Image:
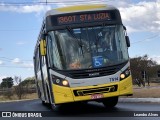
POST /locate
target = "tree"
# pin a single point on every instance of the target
(7, 82)
(28, 81)
(139, 65)
(19, 90)
(29, 85)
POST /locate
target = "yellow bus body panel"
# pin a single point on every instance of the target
(62, 94)
(125, 86)
(66, 95)
(80, 7)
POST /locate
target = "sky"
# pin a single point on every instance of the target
(20, 23)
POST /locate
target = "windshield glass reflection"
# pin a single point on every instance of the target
(91, 47)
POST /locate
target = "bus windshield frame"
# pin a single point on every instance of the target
(88, 47)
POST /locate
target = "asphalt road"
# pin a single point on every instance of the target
(91, 110)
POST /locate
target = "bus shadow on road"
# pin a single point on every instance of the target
(86, 110)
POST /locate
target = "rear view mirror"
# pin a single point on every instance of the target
(127, 41)
(43, 45)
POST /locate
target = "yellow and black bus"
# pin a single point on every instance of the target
(82, 55)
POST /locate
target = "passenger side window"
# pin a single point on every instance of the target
(49, 51)
(53, 53)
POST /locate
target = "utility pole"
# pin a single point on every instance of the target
(144, 77)
(158, 73)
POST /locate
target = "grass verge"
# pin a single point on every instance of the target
(14, 97)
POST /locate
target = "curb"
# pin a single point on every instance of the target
(153, 100)
(17, 100)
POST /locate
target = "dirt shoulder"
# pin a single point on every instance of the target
(146, 92)
(14, 97)
(152, 91)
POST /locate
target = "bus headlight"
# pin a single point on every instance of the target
(125, 74)
(59, 81)
(65, 83)
(122, 76)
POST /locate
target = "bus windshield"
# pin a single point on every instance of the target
(89, 47)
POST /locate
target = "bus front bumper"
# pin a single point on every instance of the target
(66, 94)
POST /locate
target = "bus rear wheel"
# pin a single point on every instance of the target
(110, 102)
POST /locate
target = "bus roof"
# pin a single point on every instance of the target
(79, 8)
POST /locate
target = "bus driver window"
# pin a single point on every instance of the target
(108, 41)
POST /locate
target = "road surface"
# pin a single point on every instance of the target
(90, 110)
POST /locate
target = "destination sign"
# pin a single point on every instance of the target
(83, 18)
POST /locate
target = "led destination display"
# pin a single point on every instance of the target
(82, 18)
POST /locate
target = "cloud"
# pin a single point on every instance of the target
(1, 62)
(131, 29)
(0, 49)
(28, 65)
(24, 9)
(156, 58)
(17, 61)
(143, 16)
(22, 63)
(20, 43)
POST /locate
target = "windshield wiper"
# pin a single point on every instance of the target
(75, 38)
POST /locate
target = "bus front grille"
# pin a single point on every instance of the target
(99, 90)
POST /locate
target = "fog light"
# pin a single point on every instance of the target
(127, 72)
(57, 81)
(122, 76)
(65, 82)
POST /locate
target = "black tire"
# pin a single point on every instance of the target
(63, 107)
(110, 102)
(55, 107)
(43, 102)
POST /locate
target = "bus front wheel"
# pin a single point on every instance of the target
(43, 102)
(110, 102)
(55, 107)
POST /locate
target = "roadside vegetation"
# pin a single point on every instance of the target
(16, 89)
(144, 71)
